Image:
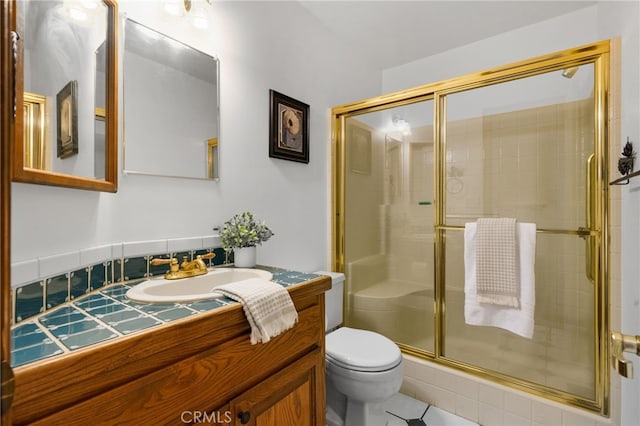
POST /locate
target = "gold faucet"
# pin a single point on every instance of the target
(185, 269)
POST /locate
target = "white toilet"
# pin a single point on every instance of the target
(363, 368)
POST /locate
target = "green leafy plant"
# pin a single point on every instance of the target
(243, 230)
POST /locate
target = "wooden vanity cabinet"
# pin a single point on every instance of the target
(289, 397)
(201, 370)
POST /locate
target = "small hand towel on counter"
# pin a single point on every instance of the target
(497, 262)
(267, 305)
(518, 320)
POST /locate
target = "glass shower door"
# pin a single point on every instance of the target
(524, 149)
(389, 222)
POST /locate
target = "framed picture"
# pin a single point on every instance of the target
(288, 128)
(67, 118)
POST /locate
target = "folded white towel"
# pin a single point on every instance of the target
(517, 320)
(497, 275)
(266, 304)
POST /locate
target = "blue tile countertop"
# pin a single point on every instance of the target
(108, 314)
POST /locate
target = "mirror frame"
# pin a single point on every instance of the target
(20, 173)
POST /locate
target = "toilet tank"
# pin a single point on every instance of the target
(333, 300)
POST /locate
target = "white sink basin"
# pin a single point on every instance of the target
(160, 290)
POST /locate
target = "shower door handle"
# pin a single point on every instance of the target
(621, 343)
(590, 219)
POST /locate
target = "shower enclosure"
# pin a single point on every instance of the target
(527, 141)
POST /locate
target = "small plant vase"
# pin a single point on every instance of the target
(244, 257)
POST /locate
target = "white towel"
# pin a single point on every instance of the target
(267, 305)
(497, 274)
(517, 320)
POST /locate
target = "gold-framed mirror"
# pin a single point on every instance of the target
(66, 60)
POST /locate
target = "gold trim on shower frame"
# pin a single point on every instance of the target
(596, 235)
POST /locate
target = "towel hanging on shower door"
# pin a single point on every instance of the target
(497, 274)
(518, 320)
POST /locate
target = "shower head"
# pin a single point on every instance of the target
(569, 72)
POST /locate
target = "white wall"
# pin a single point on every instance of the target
(261, 46)
(604, 20)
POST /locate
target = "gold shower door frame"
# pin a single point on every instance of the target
(596, 231)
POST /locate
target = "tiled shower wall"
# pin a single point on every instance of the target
(42, 284)
(492, 404)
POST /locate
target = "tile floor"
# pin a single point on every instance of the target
(403, 410)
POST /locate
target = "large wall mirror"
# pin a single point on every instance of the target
(66, 109)
(171, 106)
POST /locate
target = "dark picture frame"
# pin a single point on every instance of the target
(67, 120)
(288, 128)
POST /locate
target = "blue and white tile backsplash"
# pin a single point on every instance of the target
(39, 285)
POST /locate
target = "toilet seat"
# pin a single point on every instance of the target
(361, 350)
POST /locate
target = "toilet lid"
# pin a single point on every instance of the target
(361, 350)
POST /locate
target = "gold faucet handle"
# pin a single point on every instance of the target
(207, 256)
(158, 261)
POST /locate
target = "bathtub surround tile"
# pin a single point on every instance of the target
(488, 415)
(467, 408)
(495, 404)
(490, 395)
(512, 419)
(518, 405)
(573, 419)
(466, 387)
(29, 300)
(443, 399)
(546, 414)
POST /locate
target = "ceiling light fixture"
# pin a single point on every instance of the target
(402, 125)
